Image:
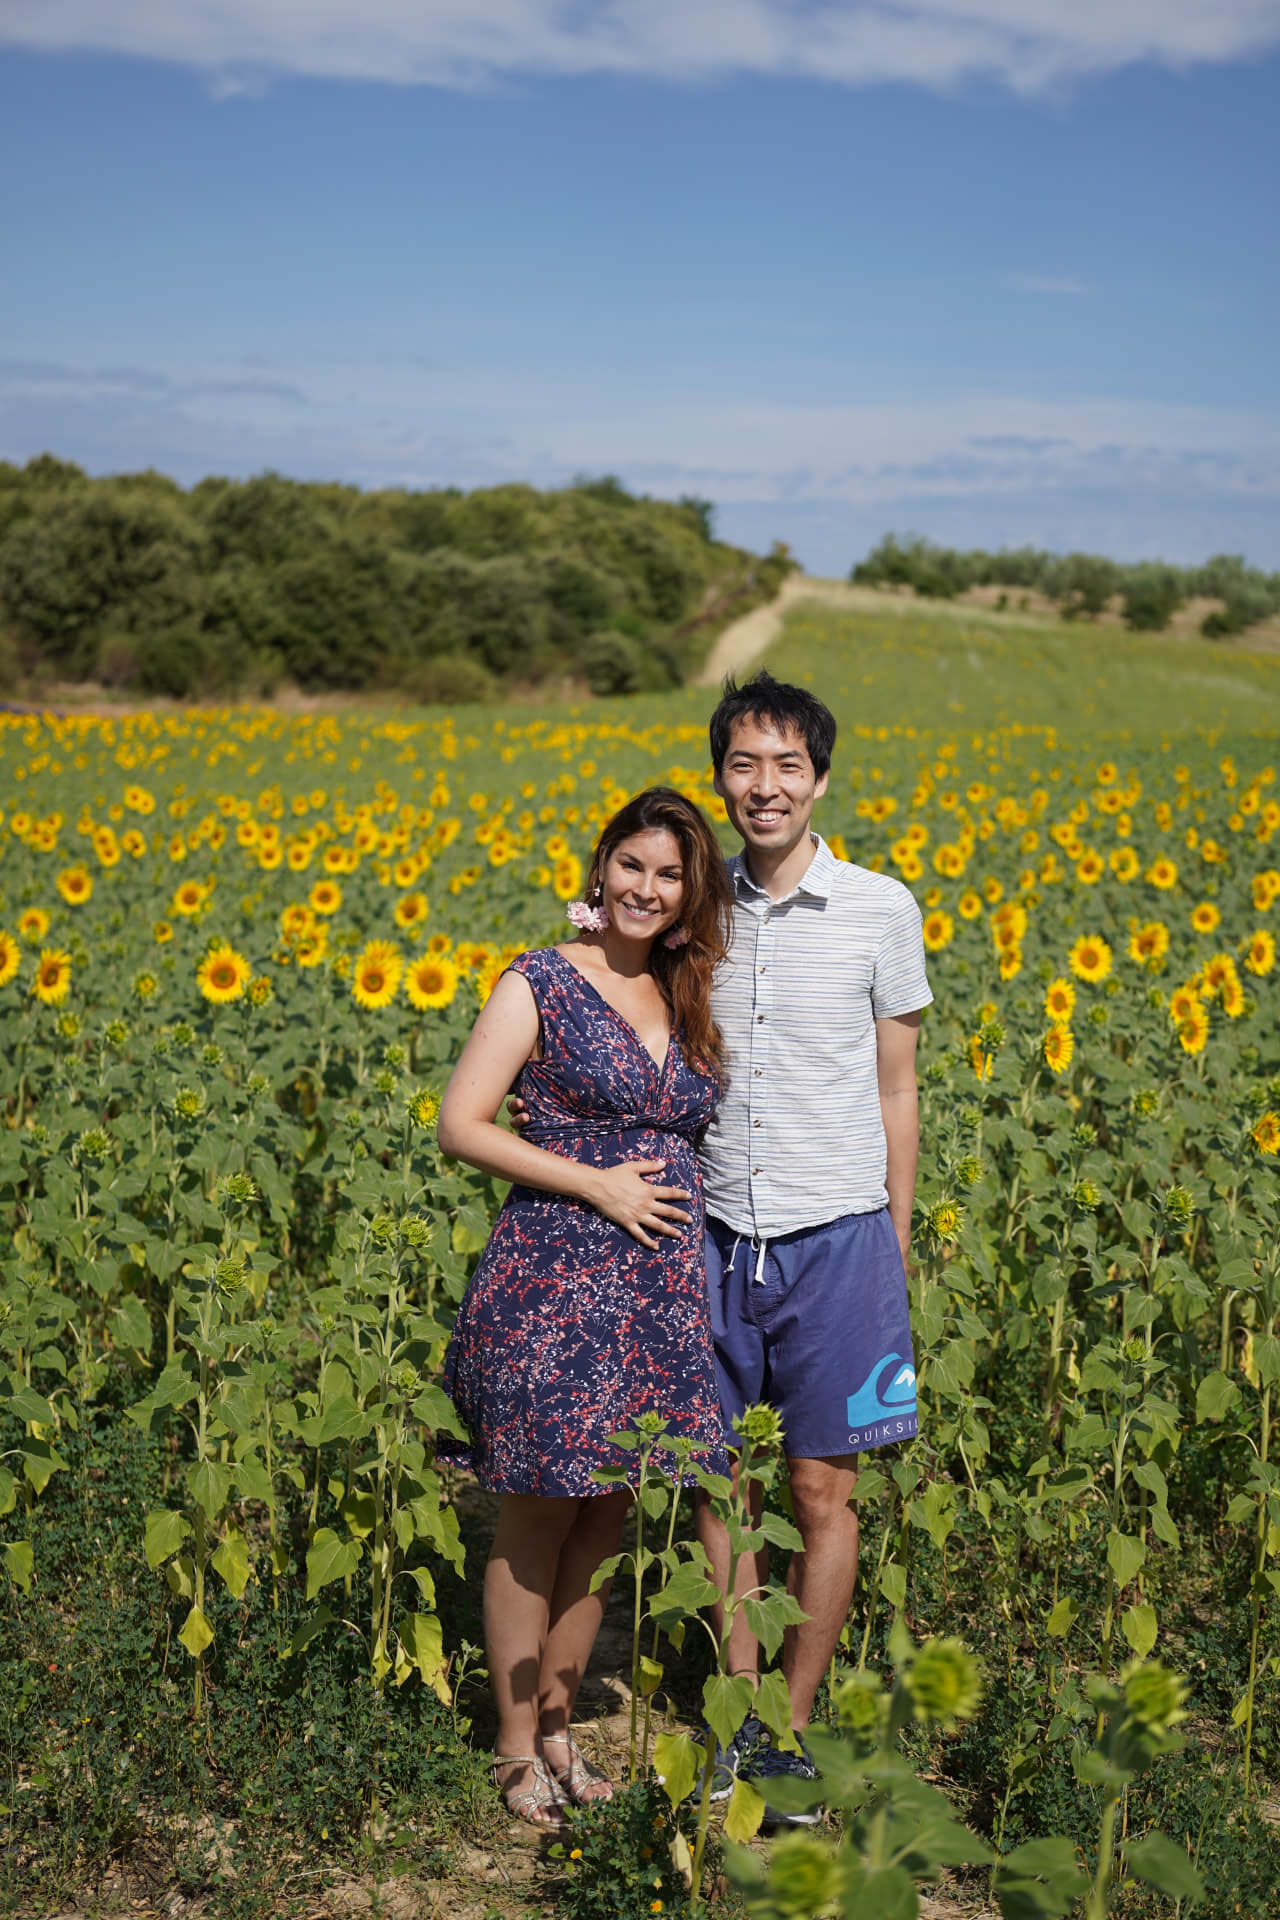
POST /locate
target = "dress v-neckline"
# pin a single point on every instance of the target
(659, 1066)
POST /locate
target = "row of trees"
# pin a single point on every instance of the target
(235, 585)
(1082, 585)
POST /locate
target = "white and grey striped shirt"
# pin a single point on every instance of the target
(798, 1139)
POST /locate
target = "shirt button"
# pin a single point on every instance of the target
(757, 1071)
(757, 1169)
(756, 1123)
(759, 1018)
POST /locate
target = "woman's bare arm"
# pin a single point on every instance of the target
(501, 1042)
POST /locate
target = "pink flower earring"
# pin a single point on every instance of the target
(582, 914)
(678, 937)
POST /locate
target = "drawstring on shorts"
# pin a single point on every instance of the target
(759, 1246)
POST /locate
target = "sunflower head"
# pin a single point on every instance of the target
(432, 982)
(223, 975)
(375, 975)
(1058, 1046)
(53, 976)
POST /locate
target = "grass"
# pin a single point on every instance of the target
(938, 671)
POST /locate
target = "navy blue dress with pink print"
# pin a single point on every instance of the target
(570, 1328)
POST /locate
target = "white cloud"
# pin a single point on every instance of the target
(423, 426)
(1026, 44)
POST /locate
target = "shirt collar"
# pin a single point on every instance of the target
(816, 880)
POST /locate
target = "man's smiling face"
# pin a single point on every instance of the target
(768, 786)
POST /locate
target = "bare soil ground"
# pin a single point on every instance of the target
(496, 1869)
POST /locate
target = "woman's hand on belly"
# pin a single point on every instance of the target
(623, 1195)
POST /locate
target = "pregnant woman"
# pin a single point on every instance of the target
(589, 1304)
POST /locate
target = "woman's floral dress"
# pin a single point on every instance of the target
(570, 1329)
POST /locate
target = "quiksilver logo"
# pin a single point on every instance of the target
(889, 1389)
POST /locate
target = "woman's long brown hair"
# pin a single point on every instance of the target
(683, 973)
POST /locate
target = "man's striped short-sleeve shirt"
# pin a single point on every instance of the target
(797, 1139)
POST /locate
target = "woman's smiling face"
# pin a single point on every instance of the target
(643, 884)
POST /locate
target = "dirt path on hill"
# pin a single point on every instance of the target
(742, 644)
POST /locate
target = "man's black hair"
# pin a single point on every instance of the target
(786, 708)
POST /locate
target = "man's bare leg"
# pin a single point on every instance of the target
(822, 1576)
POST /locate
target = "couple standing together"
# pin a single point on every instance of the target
(711, 1205)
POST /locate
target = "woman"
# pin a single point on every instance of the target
(589, 1304)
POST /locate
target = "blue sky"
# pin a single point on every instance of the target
(842, 269)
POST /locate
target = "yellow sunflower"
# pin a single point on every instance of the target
(312, 949)
(1149, 942)
(488, 977)
(223, 974)
(431, 982)
(296, 920)
(1058, 1046)
(33, 925)
(75, 884)
(10, 955)
(325, 896)
(1260, 958)
(1059, 1000)
(53, 976)
(1205, 917)
(1163, 874)
(1217, 973)
(1266, 1132)
(1010, 962)
(1194, 1030)
(375, 974)
(1090, 958)
(188, 898)
(411, 910)
(969, 905)
(1182, 1003)
(939, 930)
(1124, 863)
(161, 932)
(981, 1061)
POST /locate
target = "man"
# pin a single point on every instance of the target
(809, 1169)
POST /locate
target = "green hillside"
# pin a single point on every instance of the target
(234, 586)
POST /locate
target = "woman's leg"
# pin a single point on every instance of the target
(575, 1615)
(520, 1581)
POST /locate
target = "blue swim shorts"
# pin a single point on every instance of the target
(816, 1324)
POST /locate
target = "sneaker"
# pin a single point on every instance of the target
(730, 1759)
(771, 1763)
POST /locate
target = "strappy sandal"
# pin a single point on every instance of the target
(579, 1777)
(538, 1805)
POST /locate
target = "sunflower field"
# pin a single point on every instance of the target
(239, 951)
